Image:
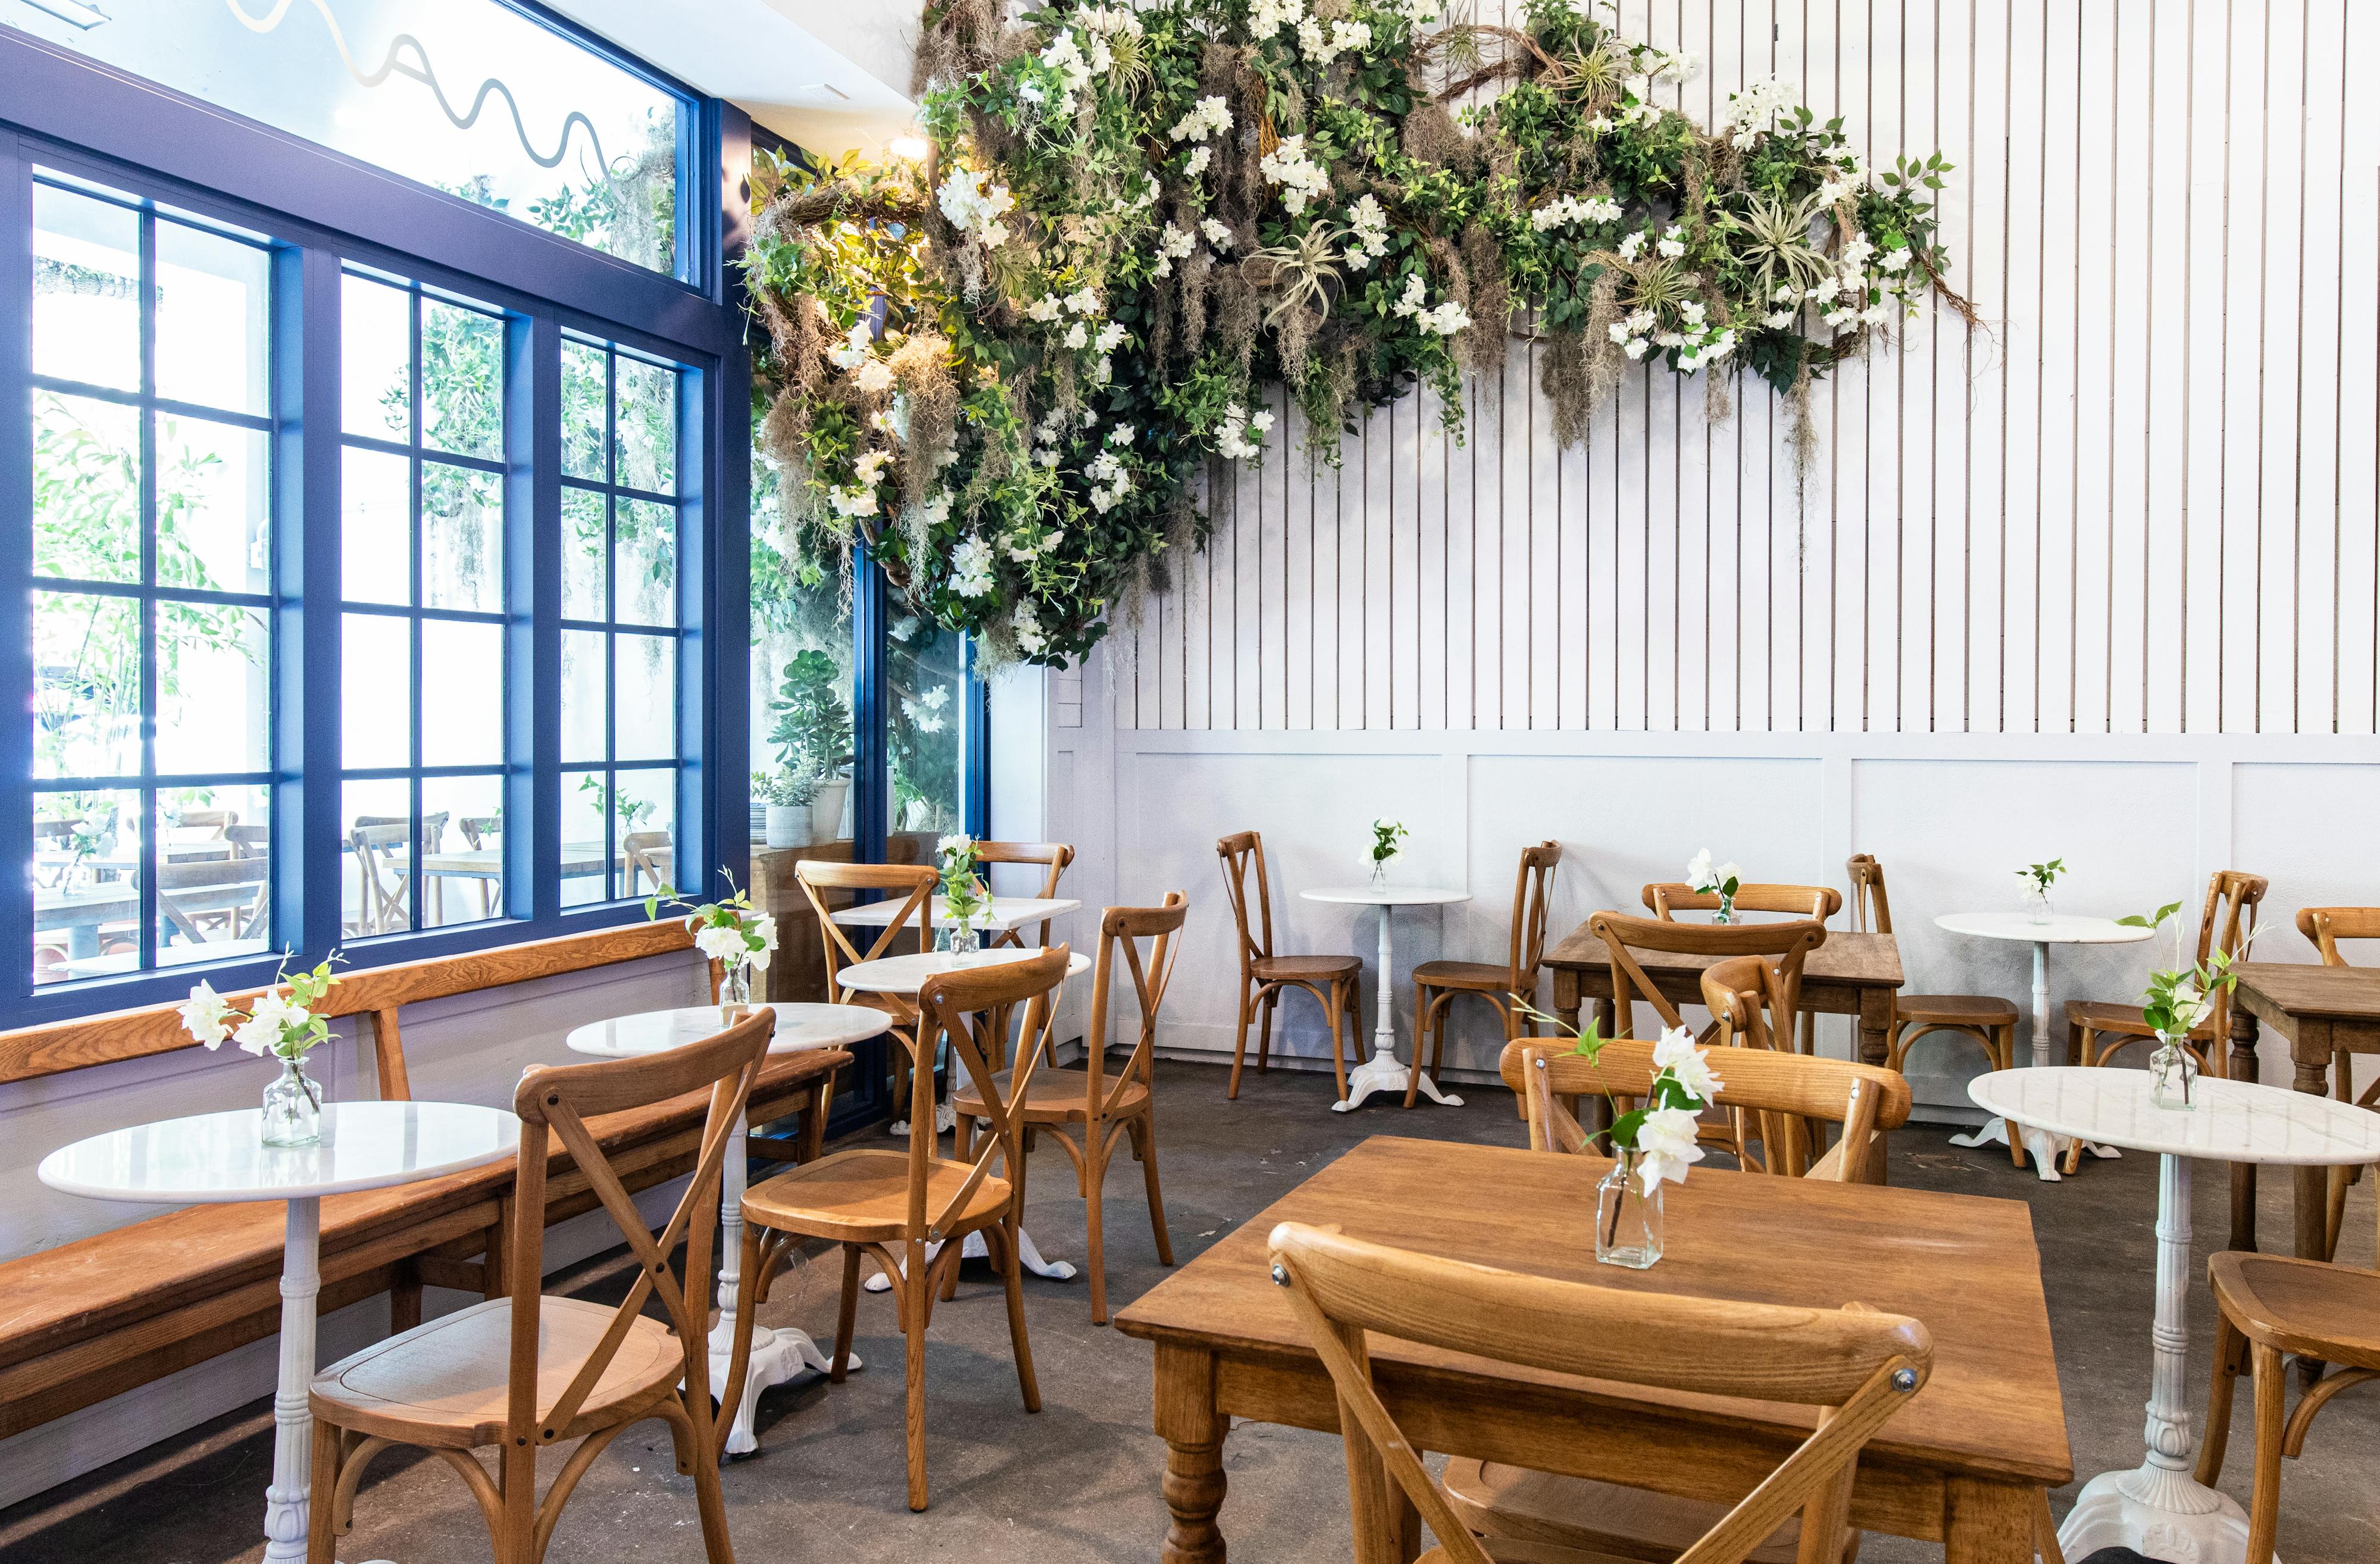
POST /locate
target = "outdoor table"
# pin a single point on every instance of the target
(778, 1353)
(82, 913)
(2323, 1010)
(2159, 1508)
(1382, 1072)
(2040, 933)
(217, 1158)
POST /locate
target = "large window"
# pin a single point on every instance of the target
(422, 624)
(152, 605)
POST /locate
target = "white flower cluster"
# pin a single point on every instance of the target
(860, 498)
(925, 713)
(1760, 108)
(1232, 439)
(1697, 340)
(1672, 245)
(1444, 320)
(854, 346)
(1300, 177)
(270, 1018)
(1666, 1138)
(1110, 477)
(1025, 548)
(1218, 232)
(1847, 179)
(1029, 638)
(1367, 232)
(1268, 16)
(1173, 244)
(973, 208)
(731, 942)
(875, 377)
(1569, 208)
(971, 568)
(1211, 118)
(1854, 296)
(1323, 47)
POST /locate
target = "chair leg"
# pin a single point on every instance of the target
(912, 1289)
(321, 1531)
(2335, 1211)
(709, 1504)
(2230, 1357)
(2044, 1530)
(2084, 1039)
(847, 1316)
(1239, 1047)
(1351, 1011)
(1013, 1261)
(1422, 1018)
(1095, 1170)
(1264, 1032)
(405, 1297)
(2264, 1502)
(1143, 1134)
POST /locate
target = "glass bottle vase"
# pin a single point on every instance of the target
(2173, 1075)
(1627, 1220)
(292, 1107)
(735, 983)
(2037, 904)
(1380, 875)
(959, 939)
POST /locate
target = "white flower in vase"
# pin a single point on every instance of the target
(1688, 1065)
(204, 1015)
(1664, 1147)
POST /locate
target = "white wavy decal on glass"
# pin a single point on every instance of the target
(423, 73)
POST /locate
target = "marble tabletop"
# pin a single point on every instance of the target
(2056, 930)
(2232, 1121)
(216, 1157)
(799, 1029)
(906, 974)
(1005, 912)
(1386, 895)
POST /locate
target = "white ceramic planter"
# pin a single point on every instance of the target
(787, 825)
(826, 810)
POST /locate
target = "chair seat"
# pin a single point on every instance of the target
(2127, 1019)
(1276, 969)
(444, 1382)
(1966, 1010)
(1580, 1519)
(2327, 1312)
(1471, 976)
(1056, 1097)
(863, 1197)
(1509, 1550)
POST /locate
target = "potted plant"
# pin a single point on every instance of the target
(787, 813)
(1388, 841)
(812, 735)
(283, 1024)
(2038, 879)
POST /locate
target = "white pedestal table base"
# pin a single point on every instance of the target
(780, 1353)
(1382, 1072)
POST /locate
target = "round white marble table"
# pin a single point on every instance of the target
(905, 975)
(2040, 933)
(1382, 1072)
(216, 1159)
(778, 1354)
(2159, 1508)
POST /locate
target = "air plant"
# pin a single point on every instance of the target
(1304, 272)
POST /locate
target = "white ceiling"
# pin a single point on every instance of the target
(835, 81)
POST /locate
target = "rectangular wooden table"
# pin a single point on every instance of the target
(2324, 1012)
(1959, 1465)
(1854, 974)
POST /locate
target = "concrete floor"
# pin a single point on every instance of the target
(1080, 1480)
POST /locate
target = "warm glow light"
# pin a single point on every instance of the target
(911, 147)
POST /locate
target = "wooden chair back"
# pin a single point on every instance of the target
(1860, 1366)
(555, 1102)
(1785, 945)
(815, 876)
(1871, 909)
(1239, 852)
(1052, 855)
(2326, 926)
(648, 854)
(2235, 896)
(966, 1007)
(382, 880)
(1819, 901)
(478, 831)
(249, 842)
(1784, 1087)
(252, 921)
(1532, 890)
(1123, 928)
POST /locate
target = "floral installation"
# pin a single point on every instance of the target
(281, 1021)
(1724, 881)
(1004, 370)
(731, 930)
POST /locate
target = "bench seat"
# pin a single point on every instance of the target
(91, 1318)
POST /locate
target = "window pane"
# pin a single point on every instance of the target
(86, 488)
(462, 539)
(462, 693)
(86, 289)
(214, 873)
(648, 561)
(463, 861)
(648, 419)
(648, 830)
(584, 875)
(376, 694)
(924, 731)
(462, 381)
(376, 532)
(793, 621)
(213, 308)
(586, 554)
(86, 685)
(86, 884)
(376, 351)
(582, 697)
(377, 831)
(214, 499)
(585, 412)
(215, 689)
(578, 146)
(645, 685)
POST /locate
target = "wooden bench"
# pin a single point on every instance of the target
(104, 1314)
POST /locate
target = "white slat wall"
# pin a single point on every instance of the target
(2143, 502)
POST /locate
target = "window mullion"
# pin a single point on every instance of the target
(533, 599)
(16, 558)
(308, 850)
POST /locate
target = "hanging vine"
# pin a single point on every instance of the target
(1001, 370)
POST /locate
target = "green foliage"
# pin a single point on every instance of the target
(813, 728)
(2043, 875)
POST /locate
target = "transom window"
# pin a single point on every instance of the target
(152, 604)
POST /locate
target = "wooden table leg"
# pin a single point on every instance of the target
(1987, 1523)
(2310, 1052)
(2240, 1064)
(1875, 1048)
(1193, 1430)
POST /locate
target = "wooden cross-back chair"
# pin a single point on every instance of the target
(1858, 1367)
(1106, 1105)
(528, 1371)
(2324, 928)
(819, 878)
(1052, 855)
(211, 881)
(911, 1210)
(1436, 983)
(382, 845)
(1334, 981)
(1819, 901)
(1742, 995)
